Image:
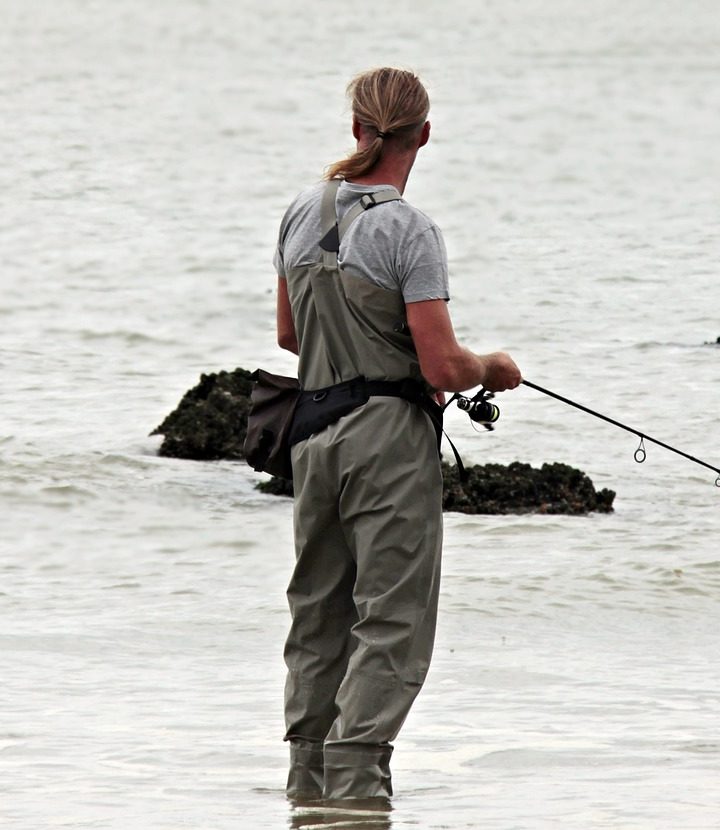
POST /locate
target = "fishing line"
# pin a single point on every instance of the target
(640, 453)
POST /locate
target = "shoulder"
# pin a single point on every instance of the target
(308, 196)
(406, 223)
(415, 218)
(400, 213)
(302, 206)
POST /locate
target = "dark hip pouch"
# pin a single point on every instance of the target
(281, 414)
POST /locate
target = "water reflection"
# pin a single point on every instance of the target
(349, 814)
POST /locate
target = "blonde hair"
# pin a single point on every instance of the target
(394, 103)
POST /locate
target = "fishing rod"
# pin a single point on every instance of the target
(481, 410)
(640, 453)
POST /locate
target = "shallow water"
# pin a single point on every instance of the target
(150, 151)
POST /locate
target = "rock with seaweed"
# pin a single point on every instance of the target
(210, 423)
(520, 488)
(513, 488)
(276, 486)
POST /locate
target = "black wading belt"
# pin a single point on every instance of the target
(319, 408)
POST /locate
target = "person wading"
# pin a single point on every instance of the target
(362, 299)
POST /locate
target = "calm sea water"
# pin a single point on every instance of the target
(149, 151)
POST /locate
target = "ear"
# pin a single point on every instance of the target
(425, 134)
(356, 128)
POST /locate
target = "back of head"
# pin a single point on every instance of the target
(390, 104)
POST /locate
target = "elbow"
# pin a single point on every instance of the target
(440, 375)
(454, 372)
(433, 381)
(288, 341)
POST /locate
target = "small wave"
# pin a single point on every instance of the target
(122, 586)
(649, 345)
(543, 758)
(132, 462)
(65, 495)
(698, 747)
(709, 566)
(127, 337)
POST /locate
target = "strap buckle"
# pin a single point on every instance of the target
(368, 201)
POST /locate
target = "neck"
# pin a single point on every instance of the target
(391, 169)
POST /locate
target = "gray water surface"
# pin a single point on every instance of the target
(149, 152)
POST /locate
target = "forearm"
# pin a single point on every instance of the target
(448, 366)
(464, 369)
(458, 371)
(288, 342)
(286, 335)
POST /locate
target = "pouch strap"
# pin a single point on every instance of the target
(414, 391)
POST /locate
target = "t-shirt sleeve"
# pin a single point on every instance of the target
(278, 262)
(290, 244)
(279, 255)
(423, 268)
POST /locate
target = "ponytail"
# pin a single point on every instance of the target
(394, 103)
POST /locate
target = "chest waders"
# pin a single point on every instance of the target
(368, 530)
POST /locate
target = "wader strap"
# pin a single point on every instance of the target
(334, 231)
(328, 215)
(369, 200)
(328, 220)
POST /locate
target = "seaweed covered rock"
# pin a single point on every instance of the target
(276, 487)
(210, 421)
(515, 488)
(520, 488)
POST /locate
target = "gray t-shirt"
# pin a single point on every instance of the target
(393, 244)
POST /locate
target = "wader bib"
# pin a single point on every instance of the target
(368, 532)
